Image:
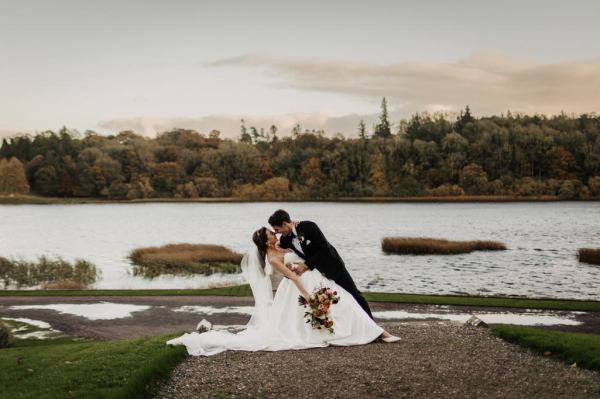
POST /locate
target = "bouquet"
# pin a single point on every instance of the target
(317, 313)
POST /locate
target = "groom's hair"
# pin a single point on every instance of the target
(279, 217)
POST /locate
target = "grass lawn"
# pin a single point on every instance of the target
(238, 290)
(583, 349)
(501, 302)
(90, 369)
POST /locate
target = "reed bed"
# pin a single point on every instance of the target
(49, 273)
(427, 246)
(589, 255)
(204, 259)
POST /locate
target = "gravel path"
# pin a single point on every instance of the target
(433, 360)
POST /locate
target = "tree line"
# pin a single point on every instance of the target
(424, 155)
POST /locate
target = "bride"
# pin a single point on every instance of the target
(278, 322)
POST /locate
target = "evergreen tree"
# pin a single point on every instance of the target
(362, 130)
(383, 128)
(244, 135)
(463, 118)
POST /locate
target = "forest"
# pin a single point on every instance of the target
(424, 155)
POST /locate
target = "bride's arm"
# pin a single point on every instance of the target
(278, 264)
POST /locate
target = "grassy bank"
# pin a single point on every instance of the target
(239, 290)
(107, 369)
(34, 199)
(424, 246)
(486, 301)
(244, 290)
(583, 349)
(184, 259)
(589, 255)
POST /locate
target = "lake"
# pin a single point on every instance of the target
(541, 261)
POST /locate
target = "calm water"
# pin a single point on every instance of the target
(541, 260)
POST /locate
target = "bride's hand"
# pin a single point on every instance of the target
(306, 297)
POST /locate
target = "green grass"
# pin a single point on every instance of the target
(501, 302)
(583, 349)
(239, 290)
(99, 369)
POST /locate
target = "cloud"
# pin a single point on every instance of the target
(7, 133)
(490, 83)
(229, 125)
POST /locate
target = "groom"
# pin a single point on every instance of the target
(307, 240)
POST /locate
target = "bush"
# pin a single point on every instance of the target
(6, 336)
(276, 188)
(446, 190)
(594, 185)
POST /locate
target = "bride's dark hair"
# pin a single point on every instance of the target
(260, 238)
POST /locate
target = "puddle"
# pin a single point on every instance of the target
(36, 329)
(43, 334)
(36, 323)
(95, 311)
(523, 319)
(210, 310)
(528, 318)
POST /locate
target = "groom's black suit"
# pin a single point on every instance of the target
(320, 254)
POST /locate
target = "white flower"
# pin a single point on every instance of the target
(204, 326)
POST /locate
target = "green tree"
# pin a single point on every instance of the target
(245, 137)
(362, 130)
(474, 180)
(383, 128)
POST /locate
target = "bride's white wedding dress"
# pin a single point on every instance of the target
(278, 323)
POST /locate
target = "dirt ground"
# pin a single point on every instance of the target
(434, 359)
(160, 319)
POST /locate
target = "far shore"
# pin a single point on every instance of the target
(39, 200)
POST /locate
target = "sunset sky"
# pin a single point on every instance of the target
(153, 65)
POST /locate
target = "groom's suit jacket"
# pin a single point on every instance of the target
(321, 255)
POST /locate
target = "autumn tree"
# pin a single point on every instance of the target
(12, 177)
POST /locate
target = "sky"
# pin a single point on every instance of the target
(150, 65)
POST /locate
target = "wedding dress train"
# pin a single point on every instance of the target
(278, 323)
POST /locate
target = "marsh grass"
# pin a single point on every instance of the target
(184, 259)
(47, 272)
(589, 255)
(424, 246)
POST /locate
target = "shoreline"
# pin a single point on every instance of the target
(39, 200)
